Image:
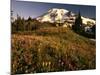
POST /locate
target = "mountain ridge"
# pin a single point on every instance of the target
(60, 15)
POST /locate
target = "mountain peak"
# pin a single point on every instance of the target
(60, 15)
(58, 10)
(55, 15)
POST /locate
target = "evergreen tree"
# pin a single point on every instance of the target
(78, 23)
(19, 23)
(23, 24)
(29, 18)
(94, 29)
(29, 23)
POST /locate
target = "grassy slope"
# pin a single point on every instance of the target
(51, 49)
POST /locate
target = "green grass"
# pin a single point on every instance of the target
(51, 49)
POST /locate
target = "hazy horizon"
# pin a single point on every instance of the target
(35, 9)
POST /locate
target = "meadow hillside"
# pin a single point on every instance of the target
(51, 49)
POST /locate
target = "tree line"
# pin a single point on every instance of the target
(78, 27)
(20, 24)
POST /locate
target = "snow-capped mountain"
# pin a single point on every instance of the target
(56, 15)
(62, 15)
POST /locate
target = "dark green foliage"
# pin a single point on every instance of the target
(94, 29)
(20, 24)
(85, 34)
(29, 19)
(78, 23)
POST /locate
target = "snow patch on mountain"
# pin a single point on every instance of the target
(87, 20)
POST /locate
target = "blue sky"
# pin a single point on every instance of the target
(35, 9)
